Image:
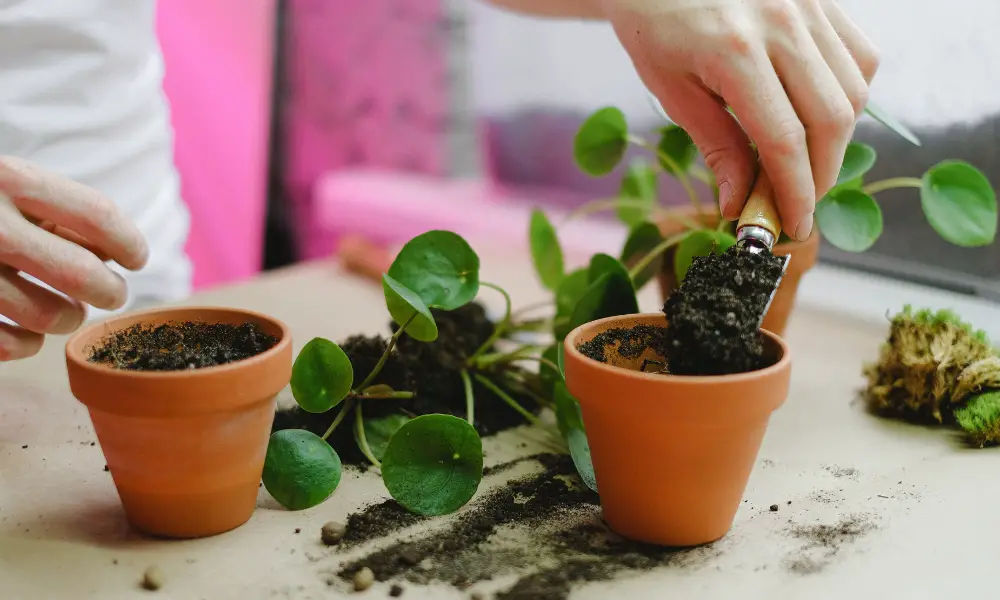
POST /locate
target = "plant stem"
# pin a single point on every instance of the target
(489, 359)
(359, 429)
(385, 355)
(595, 206)
(677, 171)
(530, 307)
(658, 250)
(538, 359)
(895, 182)
(510, 401)
(499, 328)
(340, 417)
(470, 400)
(704, 175)
(386, 396)
(525, 387)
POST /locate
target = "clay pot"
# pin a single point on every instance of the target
(803, 255)
(672, 454)
(185, 448)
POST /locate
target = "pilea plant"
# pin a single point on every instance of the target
(935, 368)
(431, 464)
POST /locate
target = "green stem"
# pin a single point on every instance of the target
(386, 396)
(510, 401)
(340, 417)
(530, 307)
(470, 400)
(499, 329)
(677, 171)
(525, 388)
(895, 182)
(489, 359)
(656, 251)
(385, 355)
(538, 359)
(704, 175)
(596, 206)
(359, 430)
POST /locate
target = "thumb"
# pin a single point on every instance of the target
(718, 136)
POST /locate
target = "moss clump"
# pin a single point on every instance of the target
(980, 418)
(929, 368)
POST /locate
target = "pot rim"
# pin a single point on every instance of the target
(570, 346)
(75, 348)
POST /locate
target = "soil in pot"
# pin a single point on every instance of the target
(430, 370)
(179, 346)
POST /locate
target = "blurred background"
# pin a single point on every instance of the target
(298, 122)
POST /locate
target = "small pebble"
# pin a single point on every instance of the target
(298, 530)
(363, 579)
(396, 590)
(332, 532)
(152, 579)
(774, 508)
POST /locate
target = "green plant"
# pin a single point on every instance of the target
(431, 464)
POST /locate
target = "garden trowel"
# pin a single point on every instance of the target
(759, 227)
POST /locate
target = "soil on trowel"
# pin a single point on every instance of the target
(712, 317)
(180, 346)
(546, 527)
(431, 370)
(628, 342)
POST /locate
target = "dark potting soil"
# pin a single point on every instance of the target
(430, 370)
(567, 543)
(180, 345)
(713, 315)
(628, 342)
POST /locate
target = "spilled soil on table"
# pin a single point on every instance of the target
(546, 527)
(823, 542)
(180, 346)
(430, 370)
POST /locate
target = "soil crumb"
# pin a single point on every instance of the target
(538, 523)
(824, 542)
(179, 346)
(713, 315)
(429, 369)
(377, 521)
(629, 342)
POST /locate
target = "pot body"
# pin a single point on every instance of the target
(803, 257)
(672, 454)
(185, 448)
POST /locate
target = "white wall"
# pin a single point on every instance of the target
(941, 60)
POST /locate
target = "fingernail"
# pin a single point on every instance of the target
(805, 228)
(725, 196)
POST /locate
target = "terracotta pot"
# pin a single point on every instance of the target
(803, 254)
(185, 448)
(672, 454)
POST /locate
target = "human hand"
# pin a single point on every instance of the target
(60, 232)
(794, 72)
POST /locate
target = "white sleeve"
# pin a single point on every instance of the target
(81, 95)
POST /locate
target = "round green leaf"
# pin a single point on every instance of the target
(600, 143)
(440, 267)
(433, 464)
(638, 185)
(570, 421)
(402, 303)
(545, 250)
(643, 238)
(849, 219)
(677, 144)
(701, 242)
(378, 432)
(322, 376)
(601, 263)
(959, 204)
(611, 294)
(569, 292)
(858, 160)
(301, 470)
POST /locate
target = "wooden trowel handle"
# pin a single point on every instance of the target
(760, 210)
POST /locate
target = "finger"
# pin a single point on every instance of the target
(59, 263)
(819, 100)
(35, 308)
(838, 58)
(72, 236)
(716, 133)
(17, 342)
(749, 84)
(76, 207)
(864, 52)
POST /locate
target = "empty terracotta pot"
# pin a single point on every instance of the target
(804, 255)
(185, 448)
(672, 454)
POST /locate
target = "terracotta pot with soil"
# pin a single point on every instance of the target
(672, 454)
(182, 401)
(804, 255)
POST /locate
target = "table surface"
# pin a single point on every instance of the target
(927, 501)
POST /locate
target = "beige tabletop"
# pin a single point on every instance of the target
(918, 508)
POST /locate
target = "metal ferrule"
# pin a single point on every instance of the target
(753, 233)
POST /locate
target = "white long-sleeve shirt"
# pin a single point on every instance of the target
(81, 95)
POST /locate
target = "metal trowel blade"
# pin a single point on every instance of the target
(784, 267)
